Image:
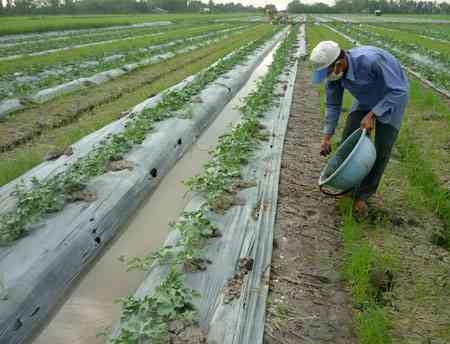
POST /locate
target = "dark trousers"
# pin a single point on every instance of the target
(385, 136)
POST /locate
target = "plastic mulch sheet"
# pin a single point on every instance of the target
(247, 235)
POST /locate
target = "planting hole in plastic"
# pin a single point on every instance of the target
(94, 231)
(18, 324)
(179, 142)
(154, 172)
(98, 240)
(35, 311)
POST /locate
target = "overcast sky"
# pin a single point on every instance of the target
(281, 4)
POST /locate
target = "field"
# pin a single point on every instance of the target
(171, 162)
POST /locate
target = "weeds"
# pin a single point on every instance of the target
(421, 176)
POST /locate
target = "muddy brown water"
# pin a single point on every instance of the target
(91, 306)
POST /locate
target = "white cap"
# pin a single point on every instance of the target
(323, 56)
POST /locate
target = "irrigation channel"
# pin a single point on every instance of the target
(91, 307)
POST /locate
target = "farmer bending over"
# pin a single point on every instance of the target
(380, 90)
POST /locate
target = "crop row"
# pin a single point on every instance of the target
(20, 83)
(20, 25)
(436, 31)
(100, 106)
(34, 64)
(437, 49)
(51, 195)
(74, 39)
(430, 64)
(149, 318)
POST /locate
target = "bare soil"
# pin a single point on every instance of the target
(308, 301)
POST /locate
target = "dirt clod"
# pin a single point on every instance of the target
(120, 165)
(233, 287)
(183, 332)
(58, 152)
(197, 264)
(85, 196)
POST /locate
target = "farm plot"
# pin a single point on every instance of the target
(360, 18)
(65, 120)
(429, 58)
(32, 73)
(19, 25)
(178, 119)
(64, 40)
(406, 233)
(432, 31)
(222, 246)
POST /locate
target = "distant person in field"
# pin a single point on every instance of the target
(379, 87)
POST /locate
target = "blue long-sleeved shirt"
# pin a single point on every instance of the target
(377, 82)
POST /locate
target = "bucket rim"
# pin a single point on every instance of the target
(345, 162)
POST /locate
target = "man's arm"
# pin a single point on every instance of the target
(333, 108)
(397, 86)
(333, 104)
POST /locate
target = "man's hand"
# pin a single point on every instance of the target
(325, 146)
(368, 122)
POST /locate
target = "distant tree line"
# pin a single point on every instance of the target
(29, 7)
(361, 6)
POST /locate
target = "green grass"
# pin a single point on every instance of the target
(372, 327)
(363, 262)
(423, 160)
(33, 24)
(317, 33)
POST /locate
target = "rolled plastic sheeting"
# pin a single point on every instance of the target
(243, 236)
(39, 268)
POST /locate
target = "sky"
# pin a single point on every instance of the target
(281, 4)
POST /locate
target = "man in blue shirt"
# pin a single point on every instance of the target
(380, 89)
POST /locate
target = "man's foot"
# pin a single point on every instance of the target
(360, 209)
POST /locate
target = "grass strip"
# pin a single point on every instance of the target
(194, 226)
(423, 153)
(101, 109)
(51, 195)
(368, 271)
